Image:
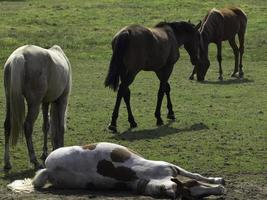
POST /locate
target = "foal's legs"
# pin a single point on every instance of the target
(235, 50)
(169, 103)
(126, 97)
(33, 110)
(191, 77)
(219, 59)
(45, 107)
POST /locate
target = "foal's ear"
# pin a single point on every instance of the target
(198, 25)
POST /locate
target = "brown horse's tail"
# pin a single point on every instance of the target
(119, 45)
(17, 107)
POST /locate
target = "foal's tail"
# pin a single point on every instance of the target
(119, 45)
(28, 185)
(17, 107)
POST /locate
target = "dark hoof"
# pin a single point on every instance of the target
(234, 75)
(191, 78)
(241, 75)
(220, 78)
(112, 128)
(171, 116)
(7, 167)
(133, 124)
(223, 182)
(38, 166)
(43, 156)
(159, 122)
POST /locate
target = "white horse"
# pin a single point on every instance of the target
(40, 76)
(111, 166)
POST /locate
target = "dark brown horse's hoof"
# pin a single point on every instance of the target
(191, 78)
(38, 166)
(220, 78)
(112, 128)
(159, 122)
(133, 124)
(171, 116)
(43, 156)
(7, 167)
(234, 75)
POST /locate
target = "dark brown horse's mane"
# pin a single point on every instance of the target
(179, 26)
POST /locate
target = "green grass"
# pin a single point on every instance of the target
(220, 127)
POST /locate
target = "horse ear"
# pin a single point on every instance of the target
(198, 25)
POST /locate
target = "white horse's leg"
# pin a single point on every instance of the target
(33, 111)
(198, 177)
(204, 190)
(45, 107)
(58, 110)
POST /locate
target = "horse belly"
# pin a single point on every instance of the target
(231, 27)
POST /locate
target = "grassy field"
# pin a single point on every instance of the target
(220, 128)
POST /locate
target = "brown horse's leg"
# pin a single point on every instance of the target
(33, 110)
(169, 103)
(219, 59)
(191, 77)
(113, 125)
(126, 97)
(241, 36)
(235, 50)
(7, 165)
(45, 107)
(159, 102)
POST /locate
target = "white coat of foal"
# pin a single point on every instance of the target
(112, 166)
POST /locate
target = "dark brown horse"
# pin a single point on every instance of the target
(137, 48)
(218, 26)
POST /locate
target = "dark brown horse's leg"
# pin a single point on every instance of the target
(113, 125)
(33, 110)
(241, 51)
(169, 103)
(159, 102)
(191, 77)
(126, 97)
(45, 128)
(235, 50)
(7, 127)
(219, 59)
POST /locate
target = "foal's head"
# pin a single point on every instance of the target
(190, 36)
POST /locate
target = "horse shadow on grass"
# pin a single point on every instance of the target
(158, 132)
(230, 81)
(11, 176)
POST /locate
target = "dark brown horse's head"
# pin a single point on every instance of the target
(190, 35)
(204, 63)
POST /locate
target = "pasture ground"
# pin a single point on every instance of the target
(220, 128)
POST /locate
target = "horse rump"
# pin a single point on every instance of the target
(119, 45)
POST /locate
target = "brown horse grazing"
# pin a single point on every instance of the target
(218, 26)
(137, 48)
(41, 77)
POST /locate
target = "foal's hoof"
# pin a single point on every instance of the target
(171, 116)
(159, 122)
(112, 128)
(7, 167)
(219, 181)
(234, 75)
(133, 124)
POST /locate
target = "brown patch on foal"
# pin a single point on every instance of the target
(121, 173)
(120, 155)
(89, 146)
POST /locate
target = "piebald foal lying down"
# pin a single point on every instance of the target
(111, 166)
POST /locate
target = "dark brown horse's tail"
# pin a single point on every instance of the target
(119, 45)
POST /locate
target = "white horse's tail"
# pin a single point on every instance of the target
(17, 107)
(27, 185)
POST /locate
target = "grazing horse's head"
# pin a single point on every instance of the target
(190, 36)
